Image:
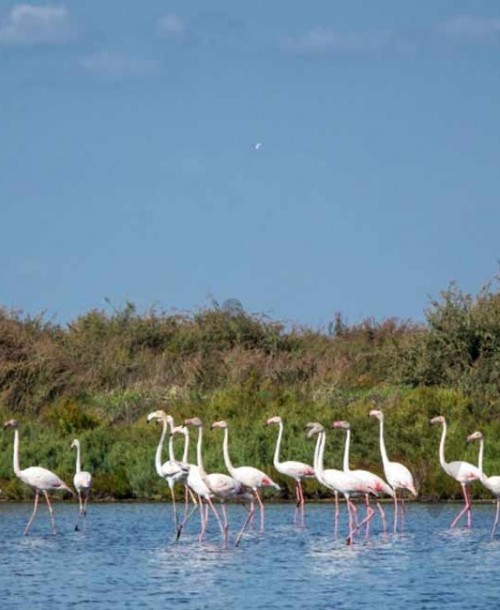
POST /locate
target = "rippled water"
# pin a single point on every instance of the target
(126, 559)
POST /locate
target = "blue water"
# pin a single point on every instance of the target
(126, 559)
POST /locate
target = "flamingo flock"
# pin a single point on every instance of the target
(244, 484)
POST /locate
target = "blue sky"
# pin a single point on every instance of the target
(129, 169)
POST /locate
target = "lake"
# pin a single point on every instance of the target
(126, 558)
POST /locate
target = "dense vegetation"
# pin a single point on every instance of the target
(99, 376)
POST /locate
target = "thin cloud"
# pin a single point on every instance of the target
(28, 24)
(117, 65)
(471, 29)
(171, 26)
(324, 41)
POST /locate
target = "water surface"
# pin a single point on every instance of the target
(126, 558)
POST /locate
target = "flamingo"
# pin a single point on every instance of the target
(397, 475)
(463, 472)
(250, 477)
(222, 486)
(83, 483)
(338, 481)
(171, 470)
(296, 470)
(40, 479)
(195, 483)
(372, 483)
(491, 483)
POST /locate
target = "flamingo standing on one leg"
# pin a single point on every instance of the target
(374, 485)
(222, 486)
(491, 483)
(40, 479)
(171, 470)
(397, 475)
(248, 476)
(83, 483)
(296, 470)
(463, 472)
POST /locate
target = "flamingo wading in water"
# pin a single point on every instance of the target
(83, 483)
(397, 475)
(222, 486)
(40, 479)
(491, 483)
(250, 477)
(298, 471)
(463, 472)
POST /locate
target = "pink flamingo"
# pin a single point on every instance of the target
(373, 484)
(296, 470)
(40, 479)
(172, 470)
(250, 477)
(397, 475)
(195, 483)
(338, 481)
(83, 484)
(491, 483)
(222, 486)
(463, 472)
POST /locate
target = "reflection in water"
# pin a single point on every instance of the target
(127, 559)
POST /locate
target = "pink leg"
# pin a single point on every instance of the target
(465, 508)
(261, 507)
(246, 522)
(496, 519)
(302, 503)
(35, 507)
(297, 502)
(225, 525)
(369, 515)
(382, 516)
(337, 513)
(51, 512)
(395, 512)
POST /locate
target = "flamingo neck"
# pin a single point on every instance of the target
(171, 455)
(225, 450)
(319, 453)
(185, 455)
(199, 458)
(15, 461)
(480, 458)
(385, 459)
(346, 450)
(442, 461)
(159, 449)
(78, 462)
(276, 459)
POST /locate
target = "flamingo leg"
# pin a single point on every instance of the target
(51, 512)
(465, 509)
(496, 519)
(174, 507)
(369, 515)
(302, 504)
(80, 512)
(246, 522)
(395, 512)
(225, 525)
(261, 508)
(297, 501)
(337, 514)
(382, 516)
(35, 507)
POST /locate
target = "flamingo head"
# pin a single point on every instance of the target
(12, 423)
(75, 443)
(377, 413)
(475, 436)
(179, 430)
(345, 425)
(314, 428)
(222, 424)
(157, 416)
(273, 420)
(438, 420)
(193, 421)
